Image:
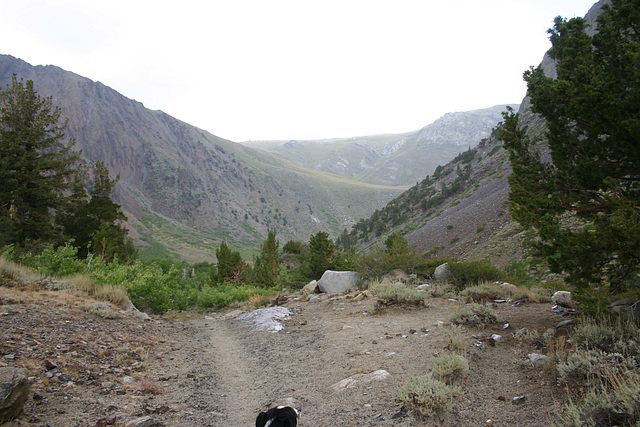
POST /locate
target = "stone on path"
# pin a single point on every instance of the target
(356, 379)
(14, 391)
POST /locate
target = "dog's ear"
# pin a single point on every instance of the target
(261, 421)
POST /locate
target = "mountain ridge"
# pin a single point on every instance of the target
(392, 159)
(185, 189)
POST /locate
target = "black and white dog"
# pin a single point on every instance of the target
(280, 416)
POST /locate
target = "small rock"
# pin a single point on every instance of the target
(13, 393)
(49, 365)
(520, 332)
(489, 423)
(64, 378)
(362, 295)
(336, 282)
(310, 288)
(536, 360)
(354, 380)
(519, 399)
(143, 422)
(564, 323)
(496, 337)
(128, 380)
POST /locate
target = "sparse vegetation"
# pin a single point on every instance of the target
(451, 369)
(427, 396)
(458, 342)
(474, 315)
(397, 293)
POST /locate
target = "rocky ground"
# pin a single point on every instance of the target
(92, 366)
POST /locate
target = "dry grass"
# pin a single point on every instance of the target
(12, 272)
(148, 386)
(69, 291)
(258, 301)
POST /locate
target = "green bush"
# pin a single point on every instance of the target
(474, 315)
(428, 396)
(464, 274)
(450, 368)
(61, 261)
(380, 261)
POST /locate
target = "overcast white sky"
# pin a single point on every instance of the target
(293, 69)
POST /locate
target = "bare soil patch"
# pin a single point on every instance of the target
(214, 370)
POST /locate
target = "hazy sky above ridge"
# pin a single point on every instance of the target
(294, 69)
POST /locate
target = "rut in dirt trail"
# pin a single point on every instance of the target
(240, 380)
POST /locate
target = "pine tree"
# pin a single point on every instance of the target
(96, 222)
(110, 236)
(230, 267)
(584, 202)
(36, 165)
(266, 266)
(320, 256)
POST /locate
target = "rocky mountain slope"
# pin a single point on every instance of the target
(184, 189)
(394, 159)
(462, 208)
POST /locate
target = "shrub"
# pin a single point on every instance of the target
(458, 341)
(380, 261)
(103, 310)
(612, 336)
(61, 261)
(602, 406)
(487, 291)
(428, 396)
(468, 273)
(474, 315)
(539, 294)
(389, 293)
(450, 368)
(594, 366)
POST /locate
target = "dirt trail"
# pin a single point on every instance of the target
(213, 370)
(240, 381)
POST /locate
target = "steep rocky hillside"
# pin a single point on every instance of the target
(184, 189)
(463, 207)
(395, 159)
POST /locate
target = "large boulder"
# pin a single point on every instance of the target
(442, 272)
(336, 282)
(563, 299)
(14, 391)
(628, 307)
